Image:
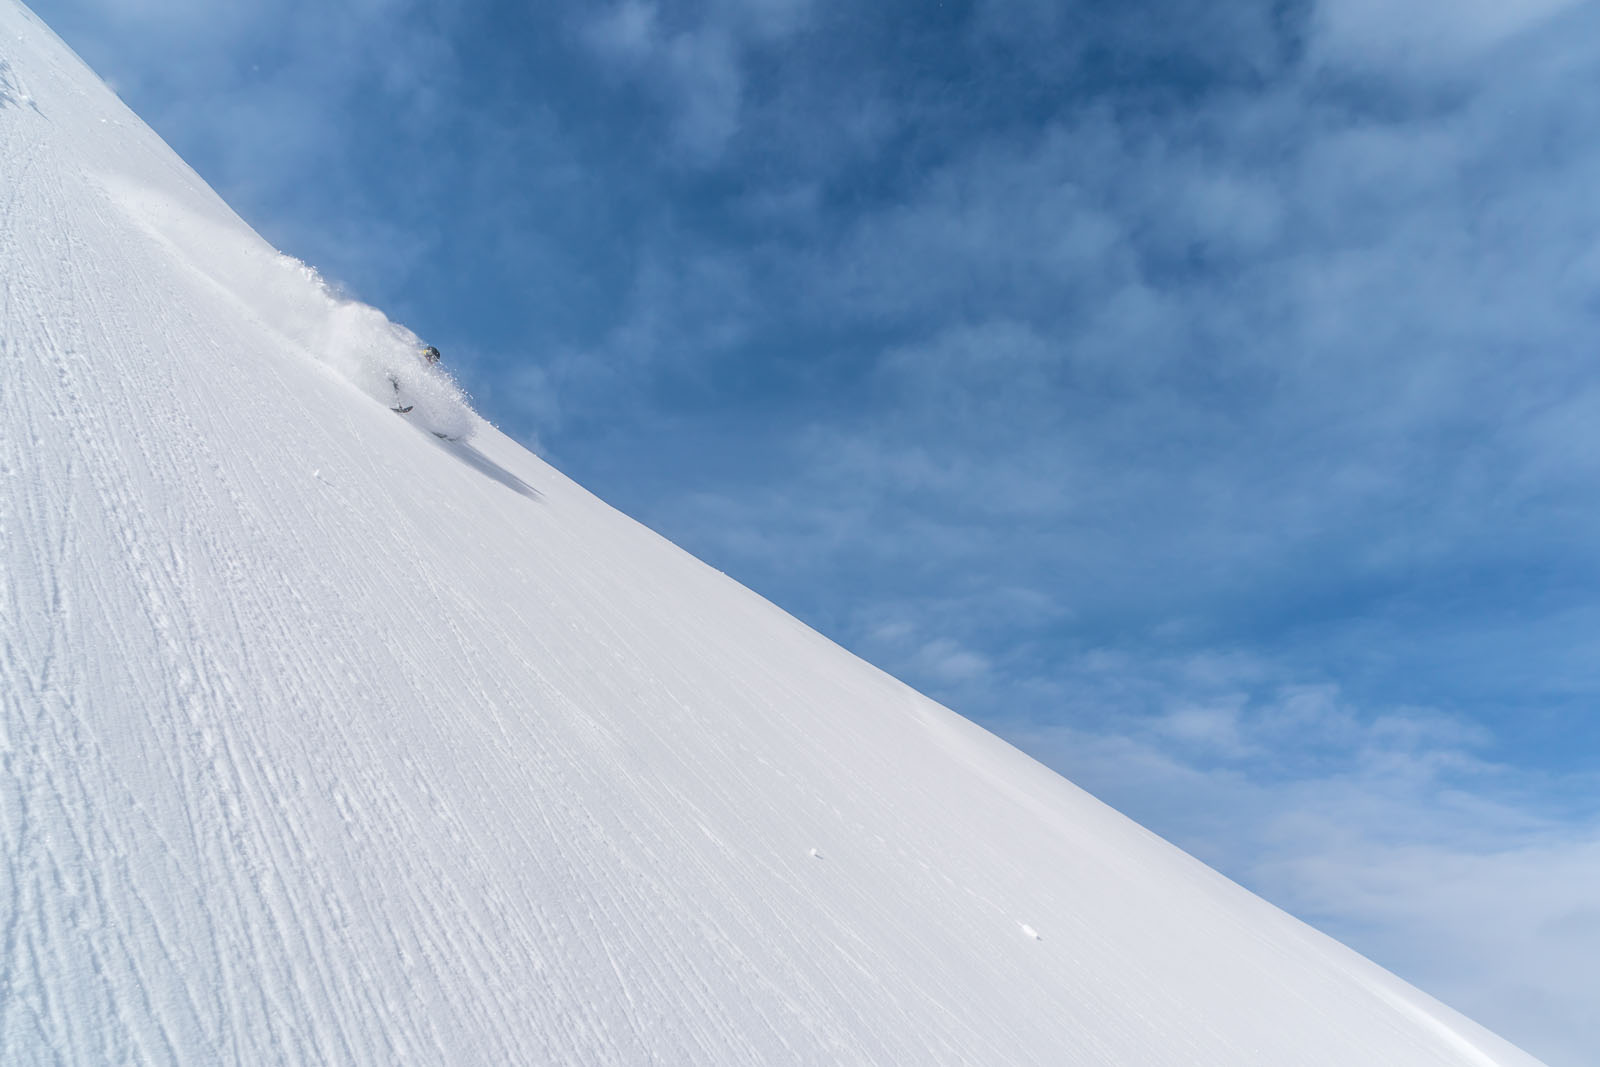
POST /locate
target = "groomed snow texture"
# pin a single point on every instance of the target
(328, 741)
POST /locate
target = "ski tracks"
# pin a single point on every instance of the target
(69, 847)
(84, 879)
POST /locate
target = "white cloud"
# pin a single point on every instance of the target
(948, 662)
(1420, 36)
(704, 67)
(628, 32)
(1213, 727)
(694, 67)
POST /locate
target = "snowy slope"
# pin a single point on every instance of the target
(328, 741)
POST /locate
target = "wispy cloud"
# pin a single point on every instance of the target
(1427, 37)
(692, 65)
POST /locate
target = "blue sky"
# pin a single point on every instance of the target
(1204, 397)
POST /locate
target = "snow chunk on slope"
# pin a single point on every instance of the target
(381, 358)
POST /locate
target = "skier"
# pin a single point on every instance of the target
(431, 355)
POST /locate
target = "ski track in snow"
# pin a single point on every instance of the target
(325, 742)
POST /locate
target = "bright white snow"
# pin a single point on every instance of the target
(328, 741)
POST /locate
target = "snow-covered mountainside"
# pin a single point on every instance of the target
(326, 740)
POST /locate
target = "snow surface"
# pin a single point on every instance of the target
(328, 741)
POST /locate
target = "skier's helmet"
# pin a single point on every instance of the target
(430, 354)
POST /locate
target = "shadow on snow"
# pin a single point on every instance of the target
(475, 459)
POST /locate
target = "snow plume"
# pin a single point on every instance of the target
(381, 358)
